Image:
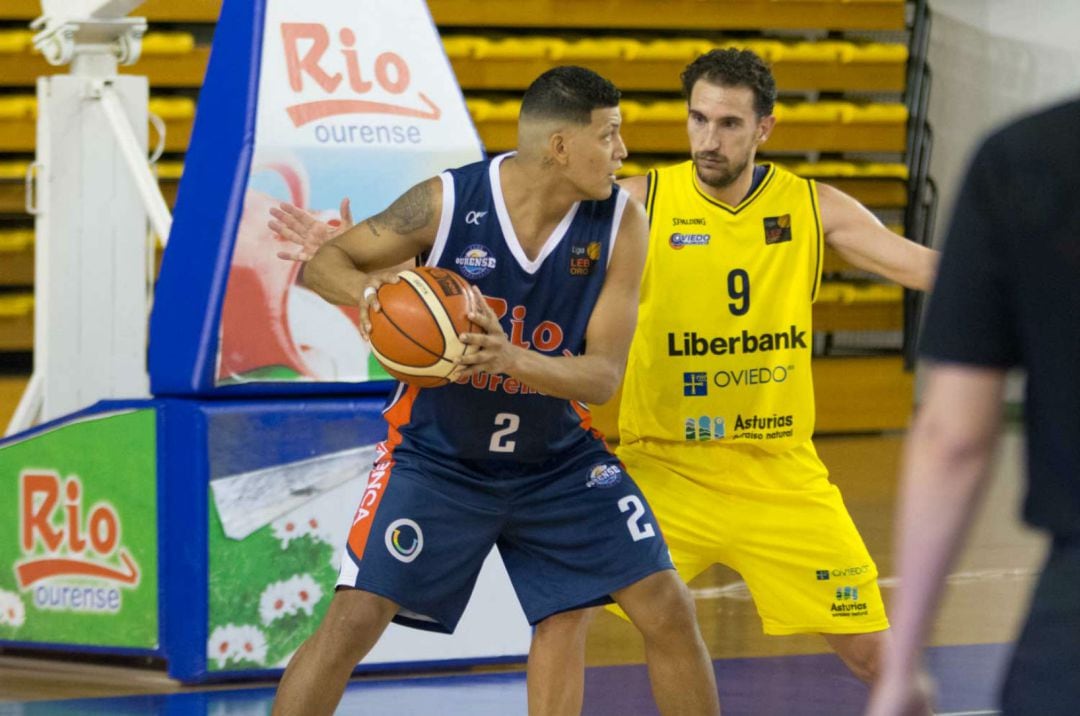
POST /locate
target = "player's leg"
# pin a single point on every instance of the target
(861, 653)
(582, 533)
(415, 548)
(802, 557)
(556, 669)
(320, 668)
(680, 670)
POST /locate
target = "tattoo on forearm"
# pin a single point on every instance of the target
(412, 211)
(373, 226)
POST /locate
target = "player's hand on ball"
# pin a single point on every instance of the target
(369, 298)
(490, 351)
(301, 228)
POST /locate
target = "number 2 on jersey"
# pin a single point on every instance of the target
(638, 530)
(509, 424)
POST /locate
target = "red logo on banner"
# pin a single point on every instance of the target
(307, 46)
(71, 541)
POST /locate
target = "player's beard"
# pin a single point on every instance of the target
(720, 177)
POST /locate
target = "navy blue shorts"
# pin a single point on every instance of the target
(570, 532)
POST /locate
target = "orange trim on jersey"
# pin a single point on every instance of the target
(586, 420)
(396, 415)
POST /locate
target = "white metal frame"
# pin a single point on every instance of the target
(92, 193)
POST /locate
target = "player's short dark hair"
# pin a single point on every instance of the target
(734, 68)
(568, 93)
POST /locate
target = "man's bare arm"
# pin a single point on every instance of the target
(946, 465)
(864, 242)
(339, 270)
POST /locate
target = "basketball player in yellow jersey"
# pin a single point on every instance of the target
(718, 406)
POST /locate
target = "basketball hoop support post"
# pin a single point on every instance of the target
(92, 196)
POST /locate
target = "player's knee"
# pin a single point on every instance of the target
(571, 625)
(663, 607)
(354, 618)
(864, 666)
(861, 653)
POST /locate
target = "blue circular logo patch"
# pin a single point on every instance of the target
(475, 262)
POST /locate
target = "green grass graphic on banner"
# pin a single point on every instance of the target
(78, 533)
(268, 592)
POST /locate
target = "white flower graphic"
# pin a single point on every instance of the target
(298, 593)
(275, 602)
(306, 591)
(12, 609)
(296, 525)
(235, 643)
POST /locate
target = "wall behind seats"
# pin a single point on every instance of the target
(992, 60)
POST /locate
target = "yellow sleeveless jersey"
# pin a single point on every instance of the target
(723, 342)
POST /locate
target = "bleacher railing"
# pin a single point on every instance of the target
(922, 191)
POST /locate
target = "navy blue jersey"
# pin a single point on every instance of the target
(544, 304)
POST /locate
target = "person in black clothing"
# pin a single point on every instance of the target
(1007, 294)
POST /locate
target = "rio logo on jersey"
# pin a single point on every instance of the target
(546, 336)
(61, 539)
(317, 60)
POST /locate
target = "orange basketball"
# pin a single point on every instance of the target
(415, 335)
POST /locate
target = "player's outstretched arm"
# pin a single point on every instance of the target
(301, 228)
(590, 378)
(864, 242)
(346, 265)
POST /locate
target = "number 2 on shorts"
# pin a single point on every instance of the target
(509, 424)
(637, 530)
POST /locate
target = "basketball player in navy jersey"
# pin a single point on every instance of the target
(505, 455)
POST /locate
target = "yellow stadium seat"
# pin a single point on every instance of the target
(807, 52)
(813, 112)
(885, 170)
(18, 107)
(591, 50)
(660, 50)
(460, 46)
(505, 111)
(13, 170)
(170, 171)
(16, 240)
(168, 43)
(14, 42)
(876, 52)
(479, 109)
(661, 112)
(768, 50)
(16, 305)
(514, 48)
(883, 113)
(845, 292)
(824, 169)
(173, 108)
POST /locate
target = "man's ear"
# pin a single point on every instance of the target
(559, 146)
(765, 127)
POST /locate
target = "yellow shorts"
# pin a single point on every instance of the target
(774, 518)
